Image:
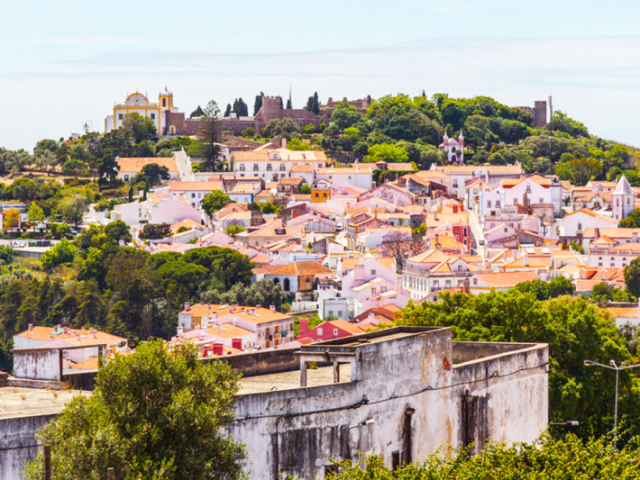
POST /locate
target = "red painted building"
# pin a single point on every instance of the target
(328, 330)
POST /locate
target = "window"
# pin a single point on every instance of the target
(505, 229)
(320, 329)
(497, 203)
(120, 116)
(255, 167)
(373, 271)
(153, 116)
(488, 203)
(193, 195)
(541, 200)
(475, 281)
(242, 168)
(335, 332)
(579, 226)
(459, 268)
(282, 168)
(268, 167)
(126, 177)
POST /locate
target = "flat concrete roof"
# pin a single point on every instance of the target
(27, 402)
(291, 380)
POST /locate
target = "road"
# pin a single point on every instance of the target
(478, 234)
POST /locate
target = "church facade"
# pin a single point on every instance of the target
(164, 114)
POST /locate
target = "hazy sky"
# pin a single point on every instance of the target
(66, 62)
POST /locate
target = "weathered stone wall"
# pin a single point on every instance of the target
(405, 400)
(18, 443)
(37, 364)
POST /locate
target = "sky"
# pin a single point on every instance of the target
(65, 63)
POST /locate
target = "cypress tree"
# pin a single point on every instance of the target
(227, 112)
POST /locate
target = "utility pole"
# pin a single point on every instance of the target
(47, 462)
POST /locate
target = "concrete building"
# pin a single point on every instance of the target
(369, 400)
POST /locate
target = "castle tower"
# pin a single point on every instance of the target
(623, 199)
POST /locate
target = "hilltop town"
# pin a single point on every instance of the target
(320, 251)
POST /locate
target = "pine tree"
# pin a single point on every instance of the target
(316, 104)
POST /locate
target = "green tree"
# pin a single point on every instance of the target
(258, 103)
(140, 128)
(152, 174)
(35, 214)
(569, 458)
(72, 209)
(384, 152)
(153, 231)
(240, 108)
(210, 136)
(62, 252)
(305, 189)
(631, 221)
(214, 201)
(263, 292)
(198, 112)
(313, 104)
(248, 132)
(233, 230)
(7, 254)
(156, 413)
(632, 277)
(23, 189)
(284, 127)
(75, 168)
(117, 231)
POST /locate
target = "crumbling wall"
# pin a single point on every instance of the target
(18, 443)
(37, 364)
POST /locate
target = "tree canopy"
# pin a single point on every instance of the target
(155, 414)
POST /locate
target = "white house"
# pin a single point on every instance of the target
(360, 175)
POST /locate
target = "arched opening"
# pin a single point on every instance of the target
(286, 284)
(164, 102)
(172, 130)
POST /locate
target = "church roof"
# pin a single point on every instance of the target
(623, 187)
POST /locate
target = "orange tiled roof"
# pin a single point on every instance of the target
(134, 165)
(346, 326)
(75, 336)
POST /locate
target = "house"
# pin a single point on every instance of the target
(195, 191)
(391, 193)
(294, 277)
(484, 282)
(360, 175)
(328, 330)
(489, 174)
(575, 224)
(275, 164)
(270, 232)
(130, 167)
(435, 270)
(74, 345)
(271, 328)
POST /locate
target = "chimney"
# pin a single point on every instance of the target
(258, 306)
(455, 209)
(525, 259)
(31, 327)
(217, 349)
(187, 306)
(94, 333)
(236, 343)
(272, 308)
(284, 143)
(304, 325)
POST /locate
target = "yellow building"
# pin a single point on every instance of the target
(140, 104)
(320, 194)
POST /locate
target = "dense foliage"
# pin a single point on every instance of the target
(92, 281)
(154, 414)
(567, 459)
(575, 330)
